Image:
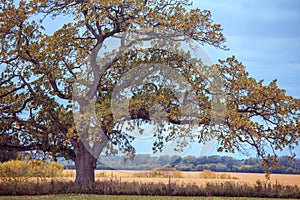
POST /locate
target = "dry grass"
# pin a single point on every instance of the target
(127, 183)
(285, 179)
(190, 177)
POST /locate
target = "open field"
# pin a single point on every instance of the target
(192, 177)
(107, 197)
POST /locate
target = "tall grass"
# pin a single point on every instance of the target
(117, 187)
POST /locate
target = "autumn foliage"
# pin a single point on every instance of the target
(39, 69)
(17, 169)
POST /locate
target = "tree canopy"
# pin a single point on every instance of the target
(39, 73)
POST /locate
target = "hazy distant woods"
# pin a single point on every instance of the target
(192, 163)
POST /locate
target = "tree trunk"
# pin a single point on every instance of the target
(85, 166)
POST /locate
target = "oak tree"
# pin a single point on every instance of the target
(39, 71)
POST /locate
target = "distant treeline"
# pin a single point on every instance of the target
(191, 163)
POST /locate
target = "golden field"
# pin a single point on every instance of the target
(190, 177)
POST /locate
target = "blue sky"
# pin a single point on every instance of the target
(264, 35)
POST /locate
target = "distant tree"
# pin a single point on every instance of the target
(214, 159)
(285, 161)
(188, 160)
(229, 162)
(6, 155)
(251, 161)
(164, 160)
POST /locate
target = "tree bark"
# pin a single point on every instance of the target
(85, 166)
